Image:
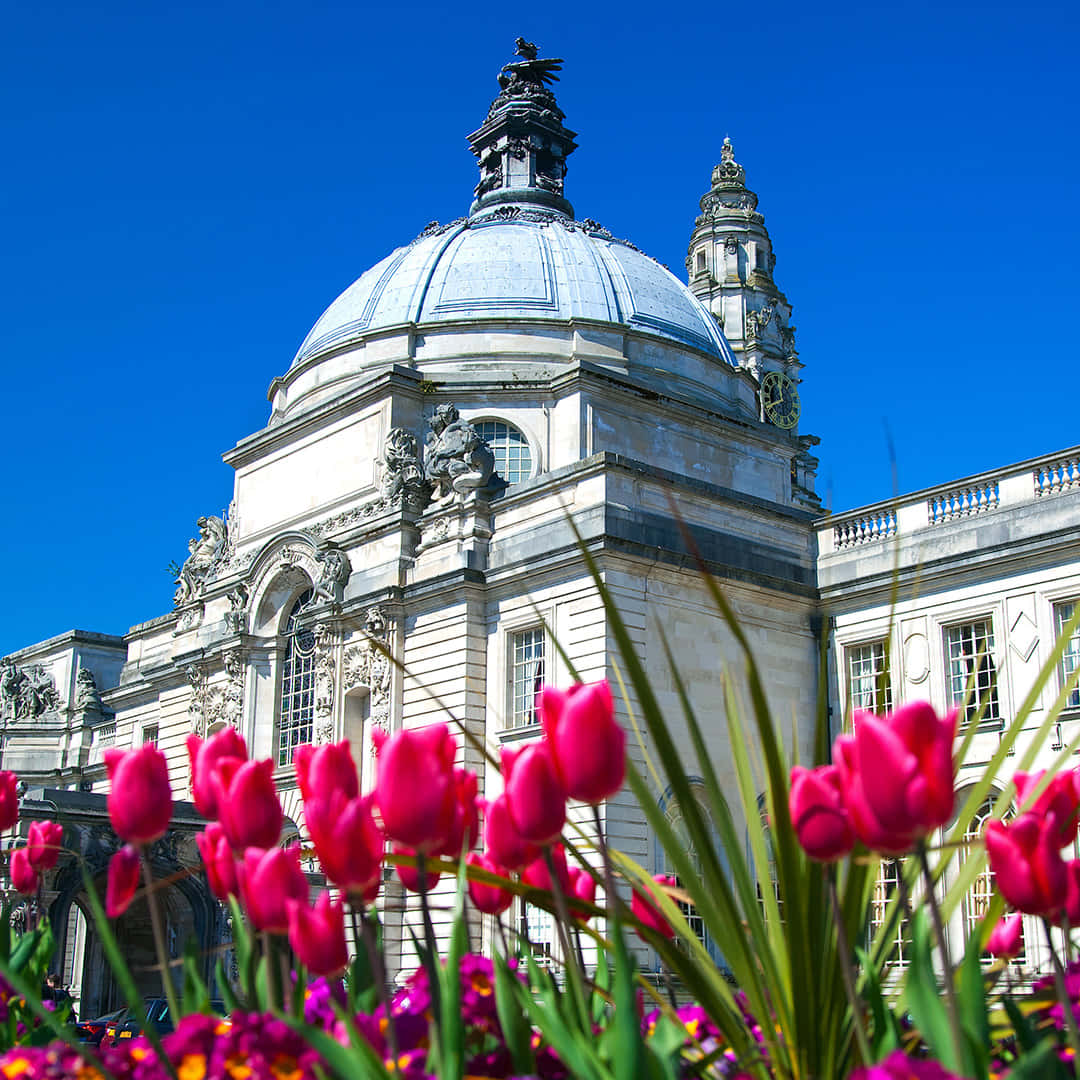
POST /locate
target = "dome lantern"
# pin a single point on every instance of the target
(523, 145)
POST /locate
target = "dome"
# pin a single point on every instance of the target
(516, 264)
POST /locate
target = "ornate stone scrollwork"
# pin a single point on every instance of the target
(196, 678)
(367, 663)
(205, 553)
(403, 480)
(457, 460)
(757, 321)
(28, 692)
(235, 616)
(224, 703)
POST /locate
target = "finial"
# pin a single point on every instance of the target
(727, 151)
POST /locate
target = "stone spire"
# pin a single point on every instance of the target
(730, 264)
(522, 146)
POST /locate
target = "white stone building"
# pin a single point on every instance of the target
(470, 398)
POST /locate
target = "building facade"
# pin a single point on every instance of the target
(402, 545)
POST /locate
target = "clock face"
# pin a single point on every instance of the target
(780, 399)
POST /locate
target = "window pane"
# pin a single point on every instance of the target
(527, 662)
(868, 682)
(513, 459)
(1070, 659)
(970, 649)
(297, 710)
(888, 881)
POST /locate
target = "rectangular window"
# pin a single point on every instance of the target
(869, 686)
(970, 653)
(888, 881)
(538, 928)
(1070, 658)
(150, 735)
(527, 674)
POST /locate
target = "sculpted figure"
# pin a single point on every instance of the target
(27, 692)
(334, 576)
(204, 553)
(456, 459)
(87, 698)
(403, 477)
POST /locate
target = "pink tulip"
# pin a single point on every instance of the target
(318, 935)
(535, 796)
(1061, 796)
(415, 789)
(9, 800)
(248, 806)
(587, 744)
(465, 820)
(582, 887)
(123, 880)
(647, 913)
(140, 799)
(818, 815)
(897, 775)
(205, 756)
(489, 899)
(323, 769)
(346, 839)
(218, 861)
(409, 876)
(268, 881)
(504, 843)
(1072, 892)
(537, 875)
(24, 878)
(1007, 939)
(43, 844)
(1027, 864)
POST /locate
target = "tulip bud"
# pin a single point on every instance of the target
(323, 769)
(1061, 797)
(414, 787)
(1007, 940)
(897, 775)
(205, 756)
(587, 744)
(535, 796)
(818, 814)
(43, 844)
(504, 843)
(122, 882)
(409, 876)
(346, 839)
(248, 806)
(537, 874)
(318, 935)
(140, 799)
(268, 880)
(489, 899)
(582, 887)
(218, 861)
(9, 800)
(647, 913)
(24, 878)
(1027, 863)
(465, 820)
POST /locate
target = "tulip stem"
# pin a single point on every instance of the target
(843, 952)
(273, 972)
(503, 937)
(159, 939)
(1063, 997)
(432, 962)
(1066, 931)
(362, 929)
(612, 897)
(574, 975)
(951, 1006)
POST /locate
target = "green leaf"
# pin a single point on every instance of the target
(924, 1000)
(1041, 1063)
(230, 1000)
(971, 1000)
(515, 1027)
(629, 1056)
(886, 1035)
(195, 997)
(601, 986)
(452, 1029)
(358, 1059)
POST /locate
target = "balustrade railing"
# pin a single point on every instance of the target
(962, 502)
(1053, 477)
(864, 529)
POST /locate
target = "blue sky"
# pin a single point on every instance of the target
(187, 187)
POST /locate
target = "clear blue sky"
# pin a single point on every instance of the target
(187, 186)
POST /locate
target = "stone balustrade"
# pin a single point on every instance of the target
(1038, 478)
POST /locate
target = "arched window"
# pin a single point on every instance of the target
(513, 458)
(978, 897)
(296, 712)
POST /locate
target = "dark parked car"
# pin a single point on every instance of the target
(127, 1025)
(93, 1031)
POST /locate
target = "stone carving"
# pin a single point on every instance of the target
(324, 683)
(196, 678)
(403, 474)
(333, 577)
(224, 703)
(87, 698)
(731, 245)
(757, 321)
(27, 692)
(190, 617)
(518, 148)
(368, 663)
(205, 553)
(235, 616)
(456, 459)
(787, 342)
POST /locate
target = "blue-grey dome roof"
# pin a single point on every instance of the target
(519, 265)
